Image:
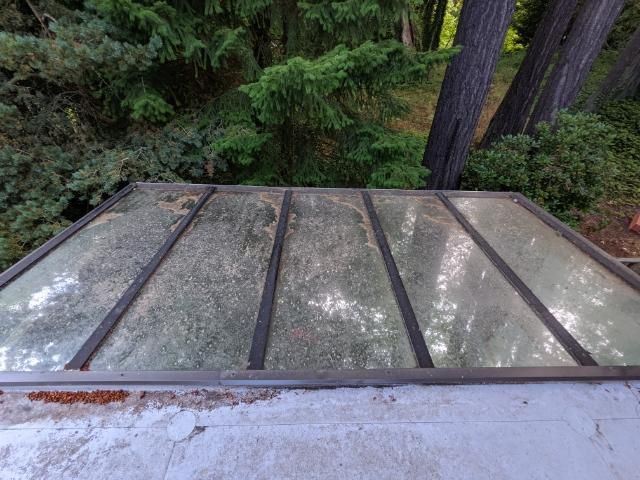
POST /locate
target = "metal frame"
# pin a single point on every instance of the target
(569, 343)
(38, 254)
(318, 378)
(82, 357)
(255, 376)
(416, 337)
(261, 333)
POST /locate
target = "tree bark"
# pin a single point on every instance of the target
(432, 21)
(513, 112)
(481, 31)
(624, 78)
(586, 37)
(438, 23)
(407, 28)
(428, 13)
(261, 33)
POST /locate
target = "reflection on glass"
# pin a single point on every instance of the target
(199, 310)
(334, 303)
(469, 314)
(600, 310)
(50, 310)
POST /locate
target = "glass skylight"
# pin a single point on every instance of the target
(203, 278)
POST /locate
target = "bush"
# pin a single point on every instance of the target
(623, 186)
(563, 168)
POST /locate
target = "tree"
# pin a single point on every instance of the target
(586, 37)
(513, 112)
(97, 94)
(407, 35)
(433, 13)
(481, 31)
(624, 78)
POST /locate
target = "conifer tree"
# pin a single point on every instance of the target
(97, 94)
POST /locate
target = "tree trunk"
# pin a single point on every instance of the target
(428, 14)
(433, 14)
(512, 115)
(438, 23)
(407, 30)
(481, 31)
(261, 33)
(586, 37)
(624, 78)
(290, 28)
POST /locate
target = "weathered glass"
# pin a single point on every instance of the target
(334, 304)
(469, 314)
(199, 310)
(48, 312)
(599, 309)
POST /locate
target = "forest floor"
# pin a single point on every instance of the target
(606, 225)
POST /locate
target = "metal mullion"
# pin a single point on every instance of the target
(263, 322)
(579, 241)
(317, 378)
(571, 345)
(27, 262)
(81, 358)
(404, 304)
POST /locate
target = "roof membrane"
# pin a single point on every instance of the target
(184, 278)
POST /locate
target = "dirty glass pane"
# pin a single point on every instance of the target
(469, 314)
(48, 312)
(600, 310)
(199, 310)
(334, 303)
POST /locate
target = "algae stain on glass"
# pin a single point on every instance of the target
(334, 304)
(51, 309)
(199, 310)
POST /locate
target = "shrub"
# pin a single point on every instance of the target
(624, 179)
(563, 168)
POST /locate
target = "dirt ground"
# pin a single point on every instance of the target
(609, 229)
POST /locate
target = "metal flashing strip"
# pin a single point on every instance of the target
(317, 378)
(38, 254)
(261, 333)
(579, 241)
(571, 345)
(318, 191)
(404, 304)
(83, 355)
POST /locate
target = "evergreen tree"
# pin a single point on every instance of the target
(97, 94)
(513, 112)
(481, 31)
(588, 33)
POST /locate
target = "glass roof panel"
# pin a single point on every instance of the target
(599, 309)
(469, 314)
(48, 312)
(334, 304)
(199, 310)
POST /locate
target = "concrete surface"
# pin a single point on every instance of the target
(550, 431)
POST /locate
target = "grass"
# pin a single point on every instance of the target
(423, 98)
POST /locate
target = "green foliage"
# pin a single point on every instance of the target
(329, 91)
(251, 91)
(389, 159)
(352, 21)
(625, 25)
(526, 18)
(624, 181)
(563, 168)
(147, 105)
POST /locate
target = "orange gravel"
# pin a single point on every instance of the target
(99, 397)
